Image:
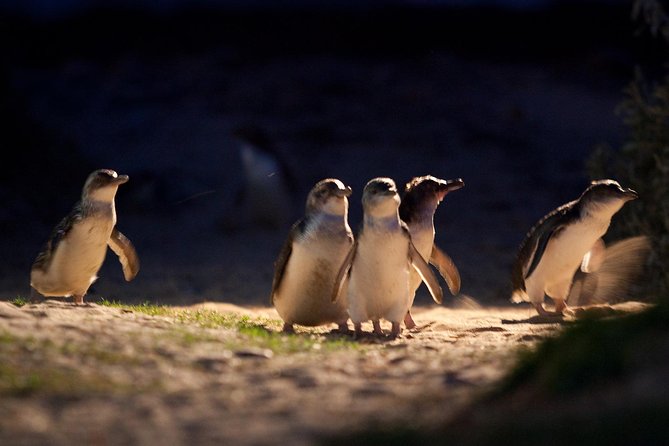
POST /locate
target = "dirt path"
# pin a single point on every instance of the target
(217, 373)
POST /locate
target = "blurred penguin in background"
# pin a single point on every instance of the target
(266, 199)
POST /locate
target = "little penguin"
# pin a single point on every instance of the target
(76, 249)
(266, 199)
(565, 239)
(378, 266)
(422, 196)
(305, 271)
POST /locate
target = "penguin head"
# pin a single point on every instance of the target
(380, 197)
(423, 194)
(606, 196)
(101, 185)
(330, 196)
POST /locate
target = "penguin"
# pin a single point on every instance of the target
(305, 270)
(566, 239)
(267, 195)
(72, 256)
(378, 266)
(422, 196)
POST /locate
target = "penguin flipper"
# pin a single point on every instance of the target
(545, 237)
(282, 260)
(621, 269)
(423, 269)
(57, 234)
(124, 249)
(594, 258)
(446, 268)
(343, 272)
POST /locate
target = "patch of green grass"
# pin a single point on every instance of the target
(256, 331)
(19, 301)
(144, 308)
(293, 343)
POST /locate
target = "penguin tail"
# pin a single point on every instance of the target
(519, 296)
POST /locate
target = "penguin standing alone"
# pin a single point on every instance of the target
(73, 255)
(421, 197)
(379, 264)
(306, 268)
(563, 240)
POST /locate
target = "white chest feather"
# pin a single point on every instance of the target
(565, 251)
(77, 258)
(379, 282)
(304, 295)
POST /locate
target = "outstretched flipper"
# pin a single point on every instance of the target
(423, 269)
(594, 258)
(343, 272)
(622, 269)
(446, 268)
(126, 253)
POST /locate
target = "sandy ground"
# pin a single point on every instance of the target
(101, 376)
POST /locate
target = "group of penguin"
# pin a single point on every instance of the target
(326, 274)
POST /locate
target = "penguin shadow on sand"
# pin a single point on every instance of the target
(266, 195)
(565, 258)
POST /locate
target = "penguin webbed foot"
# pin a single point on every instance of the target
(409, 323)
(558, 313)
(342, 329)
(395, 331)
(377, 328)
(288, 328)
(357, 333)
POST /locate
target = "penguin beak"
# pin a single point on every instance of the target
(341, 193)
(450, 186)
(631, 194)
(121, 179)
(456, 184)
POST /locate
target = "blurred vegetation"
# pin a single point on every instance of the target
(593, 351)
(642, 163)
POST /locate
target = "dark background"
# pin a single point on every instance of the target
(510, 96)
